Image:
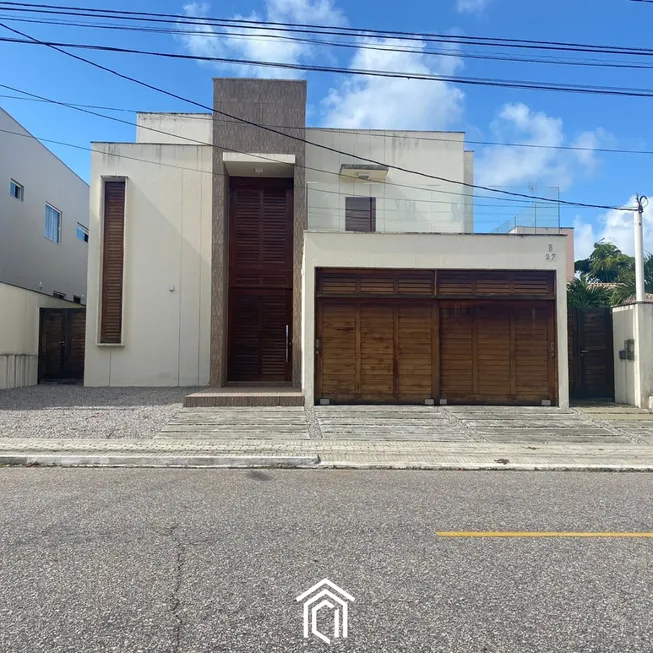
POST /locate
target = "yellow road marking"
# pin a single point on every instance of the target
(538, 534)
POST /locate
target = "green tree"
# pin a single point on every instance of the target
(582, 294)
(625, 290)
(606, 264)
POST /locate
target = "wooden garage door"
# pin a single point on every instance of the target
(375, 352)
(497, 352)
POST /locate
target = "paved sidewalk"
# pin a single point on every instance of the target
(341, 453)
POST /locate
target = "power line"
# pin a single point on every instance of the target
(303, 140)
(357, 46)
(518, 203)
(389, 133)
(209, 172)
(480, 81)
(279, 26)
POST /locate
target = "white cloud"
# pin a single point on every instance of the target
(387, 103)
(471, 6)
(258, 44)
(503, 165)
(614, 226)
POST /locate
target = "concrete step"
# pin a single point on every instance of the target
(244, 397)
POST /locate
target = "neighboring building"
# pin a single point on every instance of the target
(43, 217)
(224, 253)
(43, 258)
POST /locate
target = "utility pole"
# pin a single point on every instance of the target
(640, 293)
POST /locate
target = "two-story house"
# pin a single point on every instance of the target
(43, 254)
(244, 248)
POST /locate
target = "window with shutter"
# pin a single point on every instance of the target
(112, 262)
(360, 214)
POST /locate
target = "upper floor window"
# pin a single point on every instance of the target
(59, 295)
(16, 190)
(52, 224)
(82, 232)
(360, 213)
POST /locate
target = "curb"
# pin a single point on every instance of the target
(487, 467)
(116, 460)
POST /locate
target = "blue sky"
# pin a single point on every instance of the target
(485, 113)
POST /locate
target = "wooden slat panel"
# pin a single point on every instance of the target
(338, 350)
(533, 350)
(415, 283)
(260, 233)
(374, 282)
(534, 283)
(414, 356)
(112, 262)
(456, 350)
(257, 337)
(455, 283)
(493, 351)
(377, 352)
(52, 339)
(485, 283)
(378, 283)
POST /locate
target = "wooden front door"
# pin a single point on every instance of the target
(591, 362)
(260, 280)
(61, 343)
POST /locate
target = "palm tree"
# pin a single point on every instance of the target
(625, 290)
(582, 294)
(606, 264)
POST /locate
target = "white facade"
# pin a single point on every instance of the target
(19, 334)
(168, 243)
(167, 290)
(27, 258)
(405, 202)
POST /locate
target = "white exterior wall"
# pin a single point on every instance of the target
(633, 379)
(19, 333)
(405, 202)
(27, 258)
(175, 128)
(431, 251)
(569, 242)
(167, 245)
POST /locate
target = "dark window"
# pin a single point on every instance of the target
(59, 295)
(77, 299)
(16, 190)
(360, 213)
(82, 232)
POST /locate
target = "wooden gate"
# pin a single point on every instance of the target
(591, 355)
(61, 343)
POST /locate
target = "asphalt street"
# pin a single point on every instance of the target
(157, 561)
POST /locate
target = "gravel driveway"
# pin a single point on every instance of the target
(66, 411)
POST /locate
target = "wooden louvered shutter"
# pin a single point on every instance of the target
(360, 214)
(112, 262)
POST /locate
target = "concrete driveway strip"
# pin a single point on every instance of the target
(203, 561)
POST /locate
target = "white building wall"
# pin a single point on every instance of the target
(176, 128)
(431, 251)
(633, 379)
(167, 289)
(27, 258)
(405, 202)
(19, 333)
